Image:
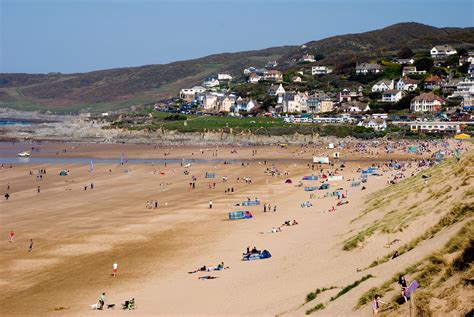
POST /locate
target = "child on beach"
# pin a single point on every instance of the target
(12, 235)
(376, 305)
(114, 269)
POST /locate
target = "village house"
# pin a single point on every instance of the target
(426, 102)
(254, 78)
(347, 95)
(316, 104)
(406, 84)
(307, 58)
(320, 70)
(273, 75)
(392, 95)
(276, 90)
(188, 94)
(224, 77)
(244, 105)
(383, 85)
(226, 103)
(296, 79)
(271, 64)
(295, 102)
(209, 102)
(366, 68)
(442, 51)
(432, 82)
(411, 70)
(404, 61)
(354, 107)
(210, 82)
(463, 88)
(470, 57)
(376, 124)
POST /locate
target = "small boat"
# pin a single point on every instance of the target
(24, 154)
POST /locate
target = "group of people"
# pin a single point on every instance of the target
(268, 207)
(151, 204)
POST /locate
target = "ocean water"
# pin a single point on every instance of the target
(9, 122)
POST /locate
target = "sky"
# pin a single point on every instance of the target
(41, 36)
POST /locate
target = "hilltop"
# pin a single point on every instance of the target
(124, 87)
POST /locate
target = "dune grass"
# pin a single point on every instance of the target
(351, 286)
(428, 269)
(457, 213)
(320, 306)
(311, 296)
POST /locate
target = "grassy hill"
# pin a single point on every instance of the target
(124, 87)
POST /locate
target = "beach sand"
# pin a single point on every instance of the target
(78, 234)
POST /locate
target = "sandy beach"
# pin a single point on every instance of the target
(79, 232)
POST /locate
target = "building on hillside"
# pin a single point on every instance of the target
(436, 127)
(463, 88)
(210, 82)
(411, 70)
(406, 84)
(376, 124)
(273, 75)
(295, 102)
(470, 57)
(427, 102)
(244, 105)
(315, 104)
(404, 61)
(271, 64)
(347, 95)
(432, 82)
(383, 85)
(254, 78)
(276, 90)
(392, 95)
(296, 79)
(354, 107)
(320, 70)
(226, 103)
(307, 58)
(442, 51)
(188, 94)
(366, 68)
(209, 102)
(224, 77)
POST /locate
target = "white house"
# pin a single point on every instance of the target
(442, 50)
(271, 64)
(210, 82)
(307, 58)
(406, 84)
(273, 75)
(383, 85)
(392, 95)
(209, 102)
(296, 79)
(317, 104)
(366, 68)
(427, 102)
(320, 70)
(376, 124)
(224, 77)
(188, 94)
(411, 70)
(276, 90)
(404, 61)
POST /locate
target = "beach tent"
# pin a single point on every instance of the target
(210, 175)
(336, 155)
(288, 181)
(251, 203)
(321, 159)
(331, 146)
(63, 173)
(462, 136)
(335, 178)
(310, 188)
(310, 178)
(236, 215)
(412, 149)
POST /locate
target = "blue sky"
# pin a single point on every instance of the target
(40, 36)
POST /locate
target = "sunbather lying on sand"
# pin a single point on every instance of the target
(274, 230)
(290, 223)
(205, 268)
(207, 277)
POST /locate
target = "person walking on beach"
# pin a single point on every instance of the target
(265, 207)
(12, 235)
(30, 248)
(210, 204)
(114, 269)
(101, 301)
(39, 190)
(7, 195)
(275, 208)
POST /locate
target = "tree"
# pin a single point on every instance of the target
(268, 102)
(319, 57)
(404, 103)
(405, 52)
(424, 63)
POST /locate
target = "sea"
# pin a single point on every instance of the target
(10, 122)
